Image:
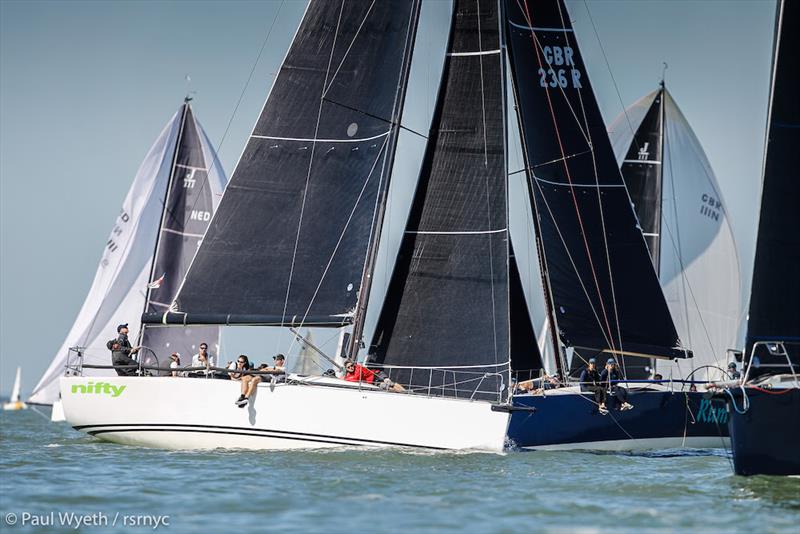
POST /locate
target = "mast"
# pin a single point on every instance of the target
(178, 138)
(359, 319)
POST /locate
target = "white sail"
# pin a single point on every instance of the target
(117, 294)
(15, 389)
(699, 266)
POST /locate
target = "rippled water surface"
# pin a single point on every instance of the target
(47, 468)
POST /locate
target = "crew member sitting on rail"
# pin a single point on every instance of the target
(249, 382)
(610, 377)
(355, 372)
(590, 381)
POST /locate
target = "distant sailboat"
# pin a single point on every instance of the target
(167, 208)
(764, 407)
(685, 222)
(14, 402)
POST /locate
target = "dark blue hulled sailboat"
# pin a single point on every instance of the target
(765, 410)
(601, 291)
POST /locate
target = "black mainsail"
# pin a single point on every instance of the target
(188, 207)
(604, 292)
(447, 305)
(775, 296)
(642, 172)
(295, 230)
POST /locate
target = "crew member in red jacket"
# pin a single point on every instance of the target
(355, 372)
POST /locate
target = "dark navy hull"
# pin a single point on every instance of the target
(660, 419)
(765, 440)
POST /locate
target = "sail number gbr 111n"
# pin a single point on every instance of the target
(561, 71)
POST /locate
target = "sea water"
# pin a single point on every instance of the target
(53, 478)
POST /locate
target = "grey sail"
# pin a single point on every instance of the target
(295, 230)
(447, 305)
(602, 288)
(194, 190)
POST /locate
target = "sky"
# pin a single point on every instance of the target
(85, 88)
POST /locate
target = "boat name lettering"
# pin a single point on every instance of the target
(99, 388)
(708, 413)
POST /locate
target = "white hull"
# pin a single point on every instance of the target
(188, 413)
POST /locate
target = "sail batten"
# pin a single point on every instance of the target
(604, 291)
(295, 225)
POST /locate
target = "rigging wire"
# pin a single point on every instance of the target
(537, 46)
(615, 308)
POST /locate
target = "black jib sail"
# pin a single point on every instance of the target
(641, 170)
(447, 305)
(775, 297)
(605, 293)
(295, 227)
(188, 208)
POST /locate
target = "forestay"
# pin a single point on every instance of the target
(294, 229)
(447, 306)
(118, 290)
(691, 238)
(605, 293)
(195, 188)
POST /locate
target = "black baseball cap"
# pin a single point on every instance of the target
(120, 327)
(279, 357)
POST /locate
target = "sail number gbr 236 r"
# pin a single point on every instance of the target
(559, 56)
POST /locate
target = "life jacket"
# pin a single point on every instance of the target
(360, 374)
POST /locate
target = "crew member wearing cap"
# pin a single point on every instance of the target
(591, 382)
(121, 350)
(732, 372)
(610, 378)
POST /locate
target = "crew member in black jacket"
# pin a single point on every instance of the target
(590, 381)
(121, 350)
